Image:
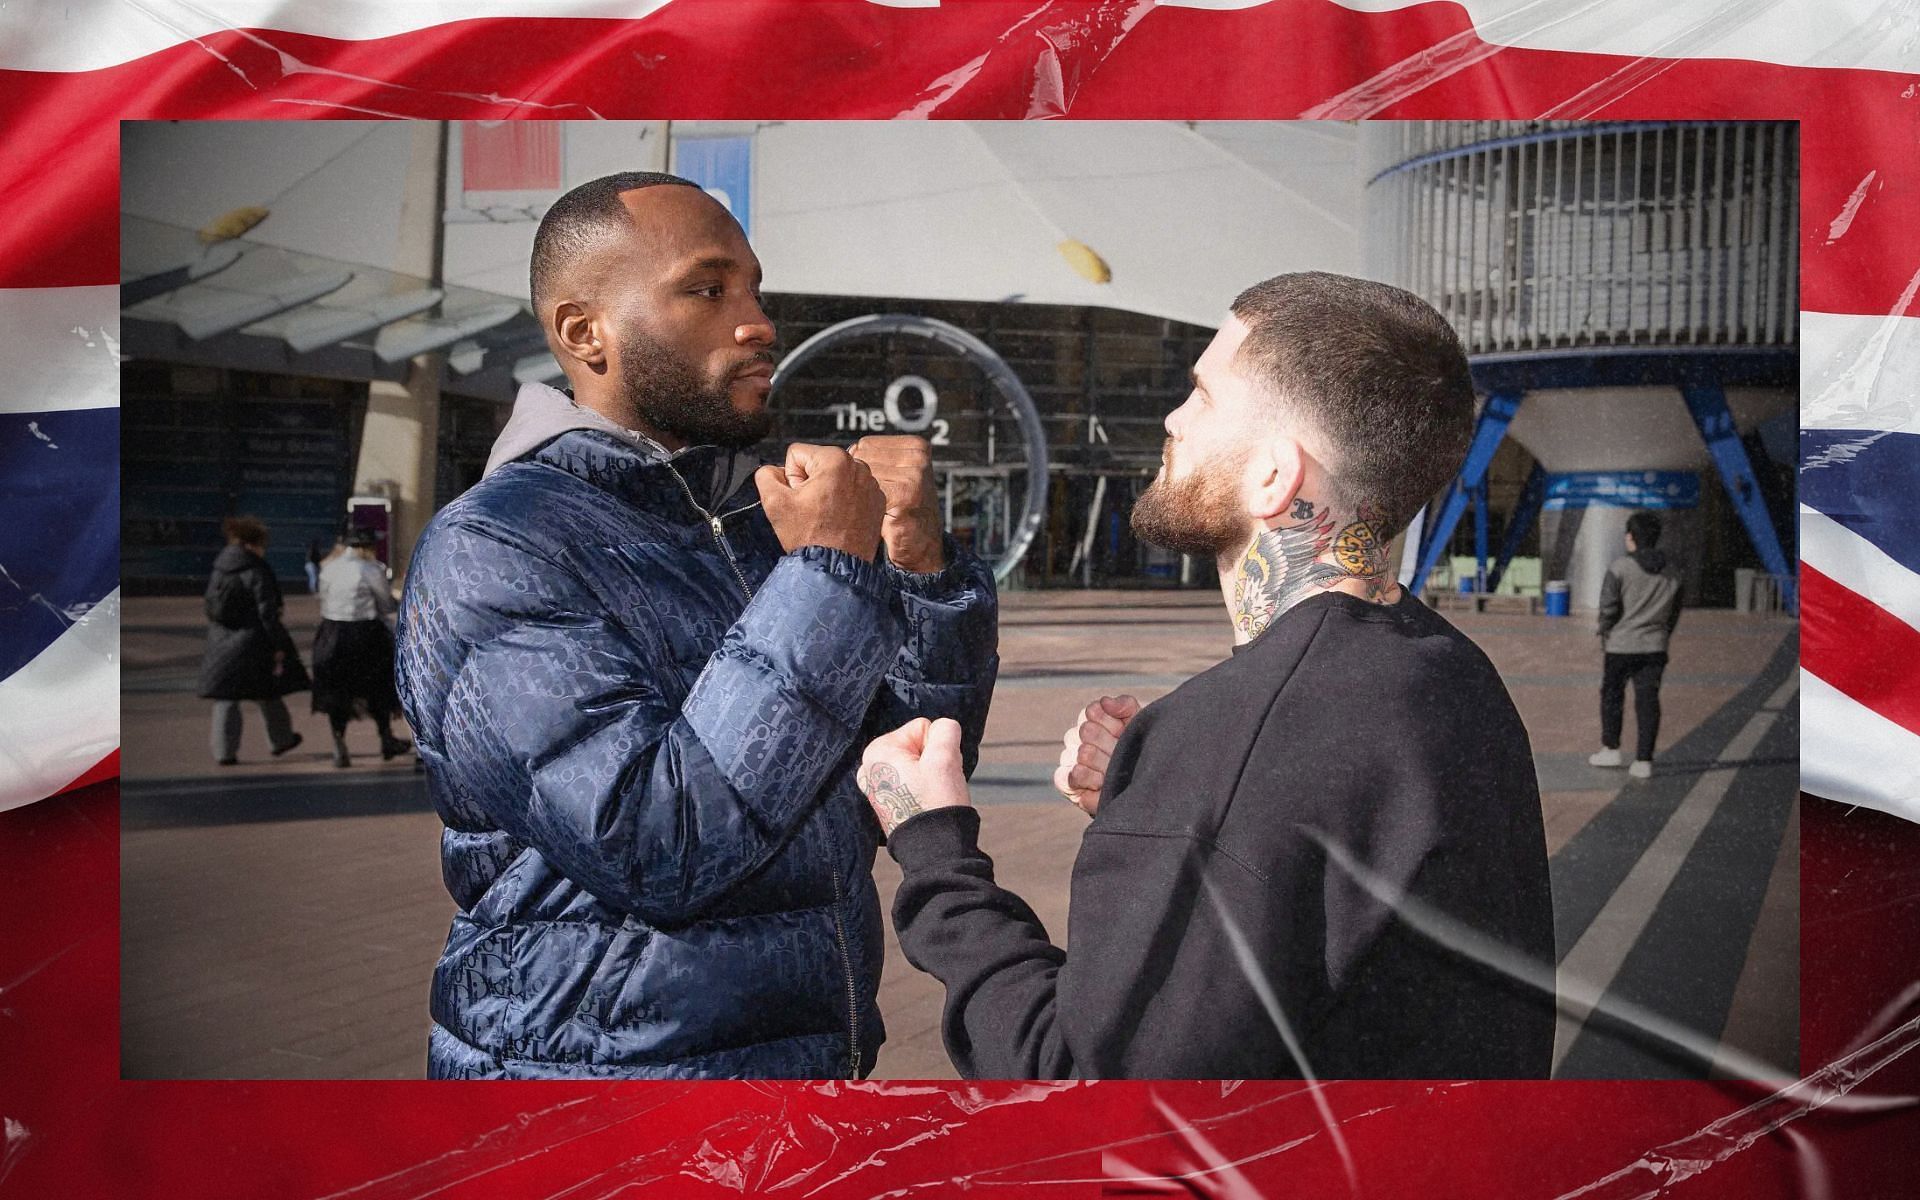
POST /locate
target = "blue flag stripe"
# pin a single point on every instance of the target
(1869, 481)
(59, 524)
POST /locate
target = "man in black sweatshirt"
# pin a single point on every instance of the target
(1302, 860)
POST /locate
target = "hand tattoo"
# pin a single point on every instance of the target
(893, 801)
(1288, 562)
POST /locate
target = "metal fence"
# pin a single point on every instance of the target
(1555, 234)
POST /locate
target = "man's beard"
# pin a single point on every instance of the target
(667, 392)
(1200, 515)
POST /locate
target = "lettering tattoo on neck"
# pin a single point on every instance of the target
(893, 801)
(1307, 554)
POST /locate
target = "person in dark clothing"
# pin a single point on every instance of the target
(1639, 608)
(250, 655)
(353, 648)
(316, 558)
(1244, 902)
(639, 667)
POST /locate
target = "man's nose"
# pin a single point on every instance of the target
(757, 330)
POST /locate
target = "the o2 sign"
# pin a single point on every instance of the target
(889, 416)
(911, 404)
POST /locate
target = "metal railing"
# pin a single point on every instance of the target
(1555, 234)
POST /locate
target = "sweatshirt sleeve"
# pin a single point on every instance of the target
(1610, 603)
(1001, 1019)
(1018, 1008)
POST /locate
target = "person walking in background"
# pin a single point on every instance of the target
(1639, 606)
(353, 651)
(250, 655)
(314, 561)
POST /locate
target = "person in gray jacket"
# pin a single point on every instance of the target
(1639, 606)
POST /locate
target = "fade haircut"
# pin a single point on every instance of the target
(1376, 371)
(578, 220)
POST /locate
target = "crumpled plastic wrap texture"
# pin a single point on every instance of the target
(1847, 71)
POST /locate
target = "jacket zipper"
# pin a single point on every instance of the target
(853, 1003)
(719, 532)
(839, 930)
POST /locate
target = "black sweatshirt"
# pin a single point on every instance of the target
(1380, 727)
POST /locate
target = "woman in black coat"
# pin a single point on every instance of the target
(250, 655)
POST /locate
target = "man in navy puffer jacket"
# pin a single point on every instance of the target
(641, 674)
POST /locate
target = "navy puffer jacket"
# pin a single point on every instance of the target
(640, 721)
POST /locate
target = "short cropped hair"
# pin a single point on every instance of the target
(578, 220)
(1645, 528)
(248, 531)
(1376, 371)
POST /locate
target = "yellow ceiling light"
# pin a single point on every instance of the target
(1085, 262)
(233, 224)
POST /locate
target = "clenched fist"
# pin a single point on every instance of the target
(823, 497)
(1089, 747)
(903, 467)
(913, 769)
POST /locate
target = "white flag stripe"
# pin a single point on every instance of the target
(1872, 34)
(90, 34)
(61, 350)
(1860, 372)
(1858, 565)
(1854, 755)
(60, 713)
(1794, 33)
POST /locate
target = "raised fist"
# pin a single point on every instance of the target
(823, 497)
(1089, 747)
(913, 769)
(903, 467)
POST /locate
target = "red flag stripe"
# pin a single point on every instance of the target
(851, 59)
(1859, 648)
(106, 768)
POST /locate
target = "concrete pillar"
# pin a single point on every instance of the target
(400, 441)
(400, 452)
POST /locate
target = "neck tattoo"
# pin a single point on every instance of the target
(1305, 553)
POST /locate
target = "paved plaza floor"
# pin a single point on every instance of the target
(279, 918)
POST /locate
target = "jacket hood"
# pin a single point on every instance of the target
(542, 413)
(1651, 561)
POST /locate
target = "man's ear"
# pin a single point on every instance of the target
(576, 335)
(1276, 468)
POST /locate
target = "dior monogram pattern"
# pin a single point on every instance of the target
(661, 863)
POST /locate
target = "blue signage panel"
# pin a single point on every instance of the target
(724, 167)
(1623, 489)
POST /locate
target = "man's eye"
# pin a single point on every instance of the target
(712, 291)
